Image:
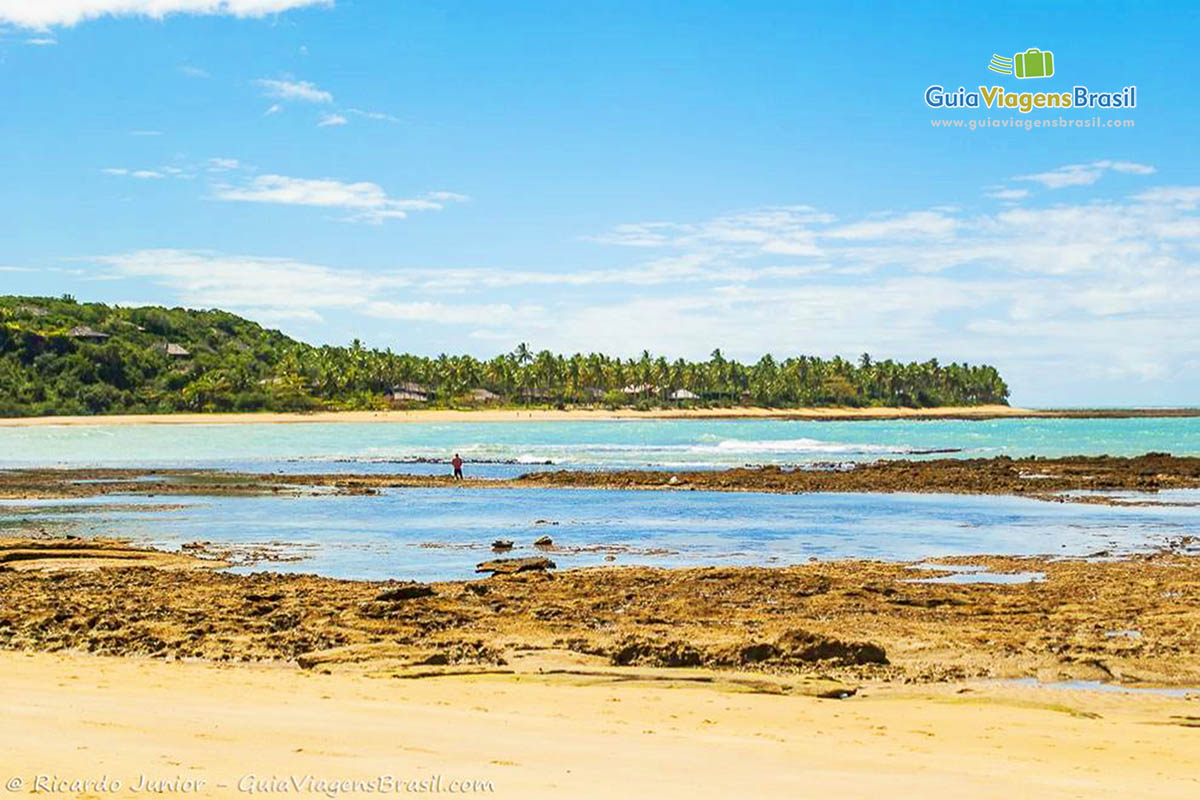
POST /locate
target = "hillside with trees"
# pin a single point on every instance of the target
(59, 356)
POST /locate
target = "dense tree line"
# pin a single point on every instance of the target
(58, 356)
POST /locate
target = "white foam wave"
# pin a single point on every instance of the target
(711, 453)
(797, 446)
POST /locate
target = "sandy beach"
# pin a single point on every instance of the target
(532, 415)
(831, 413)
(225, 730)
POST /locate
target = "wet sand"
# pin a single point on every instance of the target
(75, 717)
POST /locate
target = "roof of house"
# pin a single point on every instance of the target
(401, 394)
(84, 332)
(176, 350)
(684, 394)
(409, 391)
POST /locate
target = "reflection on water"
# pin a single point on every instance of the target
(1099, 686)
(430, 534)
(1163, 497)
(973, 573)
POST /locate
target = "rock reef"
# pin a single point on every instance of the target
(1042, 478)
(1135, 620)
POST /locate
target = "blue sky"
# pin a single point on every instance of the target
(758, 176)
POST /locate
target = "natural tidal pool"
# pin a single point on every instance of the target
(1098, 686)
(440, 534)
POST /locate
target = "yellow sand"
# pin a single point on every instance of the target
(78, 717)
(535, 415)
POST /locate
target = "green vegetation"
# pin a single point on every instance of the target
(58, 356)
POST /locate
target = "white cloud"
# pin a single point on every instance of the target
(223, 164)
(1103, 290)
(1102, 294)
(1008, 194)
(286, 290)
(1070, 175)
(914, 225)
(302, 91)
(332, 120)
(193, 71)
(274, 109)
(208, 279)
(366, 201)
(1131, 167)
(1184, 198)
(1084, 174)
(782, 230)
(375, 115)
(640, 234)
(42, 41)
(491, 313)
(41, 14)
(279, 317)
(143, 174)
(680, 270)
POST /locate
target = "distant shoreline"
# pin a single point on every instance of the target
(831, 414)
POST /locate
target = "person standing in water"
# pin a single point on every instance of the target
(457, 463)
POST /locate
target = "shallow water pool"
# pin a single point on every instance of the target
(436, 534)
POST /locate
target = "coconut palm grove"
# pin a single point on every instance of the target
(60, 356)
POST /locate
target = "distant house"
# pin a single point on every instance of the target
(408, 393)
(173, 350)
(484, 396)
(592, 394)
(84, 332)
(684, 394)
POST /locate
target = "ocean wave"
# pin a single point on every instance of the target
(799, 446)
(714, 452)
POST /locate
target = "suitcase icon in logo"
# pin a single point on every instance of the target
(1033, 63)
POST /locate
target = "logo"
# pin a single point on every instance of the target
(1033, 63)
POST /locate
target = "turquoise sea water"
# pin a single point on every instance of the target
(674, 444)
(434, 534)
